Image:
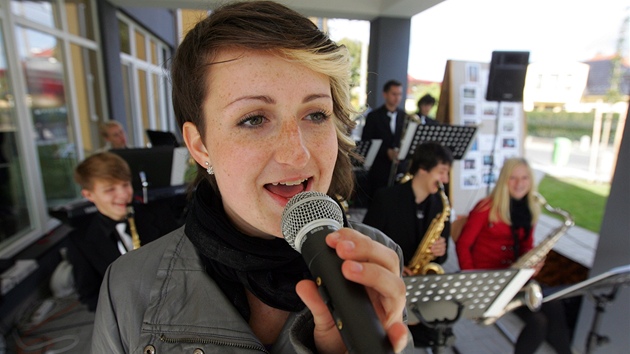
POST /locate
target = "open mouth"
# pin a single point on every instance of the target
(289, 188)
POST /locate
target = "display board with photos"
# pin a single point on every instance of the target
(500, 131)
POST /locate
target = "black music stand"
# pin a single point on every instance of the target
(473, 294)
(611, 280)
(455, 137)
(367, 149)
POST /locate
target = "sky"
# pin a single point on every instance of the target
(469, 30)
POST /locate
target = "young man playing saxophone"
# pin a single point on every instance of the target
(405, 212)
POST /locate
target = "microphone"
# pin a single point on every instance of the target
(306, 220)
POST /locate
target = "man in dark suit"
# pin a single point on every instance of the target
(101, 237)
(385, 123)
(405, 211)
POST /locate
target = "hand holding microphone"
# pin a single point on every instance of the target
(364, 294)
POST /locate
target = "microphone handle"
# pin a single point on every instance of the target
(347, 301)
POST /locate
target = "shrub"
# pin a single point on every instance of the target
(547, 124)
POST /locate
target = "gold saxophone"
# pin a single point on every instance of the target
(421, 261)
(135, 238)
(531, 294)
(536, 254)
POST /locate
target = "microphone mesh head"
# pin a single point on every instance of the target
(304, 208)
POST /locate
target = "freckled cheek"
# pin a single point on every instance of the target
(237, 159)
(329, 148)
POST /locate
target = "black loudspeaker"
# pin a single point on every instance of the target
(507, 76)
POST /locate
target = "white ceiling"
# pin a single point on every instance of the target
(349, 9)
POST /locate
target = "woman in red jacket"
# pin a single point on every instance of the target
(498, 231)
(500, 227)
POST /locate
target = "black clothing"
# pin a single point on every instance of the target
(395, 212)
(521, 218)
(93, 246)
(549, 323)
(268, 268)
(377, 126)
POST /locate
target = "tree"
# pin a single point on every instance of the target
(354, 48)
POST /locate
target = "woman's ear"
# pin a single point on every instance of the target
(194, 142)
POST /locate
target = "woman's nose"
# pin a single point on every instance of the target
(291, 147)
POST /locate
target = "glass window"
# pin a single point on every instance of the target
(125, 43)
(154, 58)
(79, 18)
(15, 219)
(42, 62)
(88, 96)
(49, 105)
(141, 51)
(148, 91)
(143, 103)
(42, 12)
(156, 101)
(127, 85)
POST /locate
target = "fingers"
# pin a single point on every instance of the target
(326, 335)
(307, 291)
(398, 336)
(407, 271)
(352, 245)
(439, 247)
(375, 266)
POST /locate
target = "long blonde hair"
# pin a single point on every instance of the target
(500, 196)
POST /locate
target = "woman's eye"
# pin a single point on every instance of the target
(253, 121)
(318, 116)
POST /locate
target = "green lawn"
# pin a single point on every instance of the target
(585, 201)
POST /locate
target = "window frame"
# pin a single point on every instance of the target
(41, 222)
(164, 114)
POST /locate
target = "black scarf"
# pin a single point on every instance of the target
(269, 269)
(521, 218)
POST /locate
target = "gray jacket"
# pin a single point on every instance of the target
(159, 299)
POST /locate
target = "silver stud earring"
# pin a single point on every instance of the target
(209, 168)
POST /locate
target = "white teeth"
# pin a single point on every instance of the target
(289, 183)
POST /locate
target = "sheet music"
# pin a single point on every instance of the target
(371, 155)
(509, 292)
(407, 140)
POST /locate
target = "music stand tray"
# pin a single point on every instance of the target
(611, 280)
(455, 137)
(367, 149)
(614, 277)
(483, 294)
